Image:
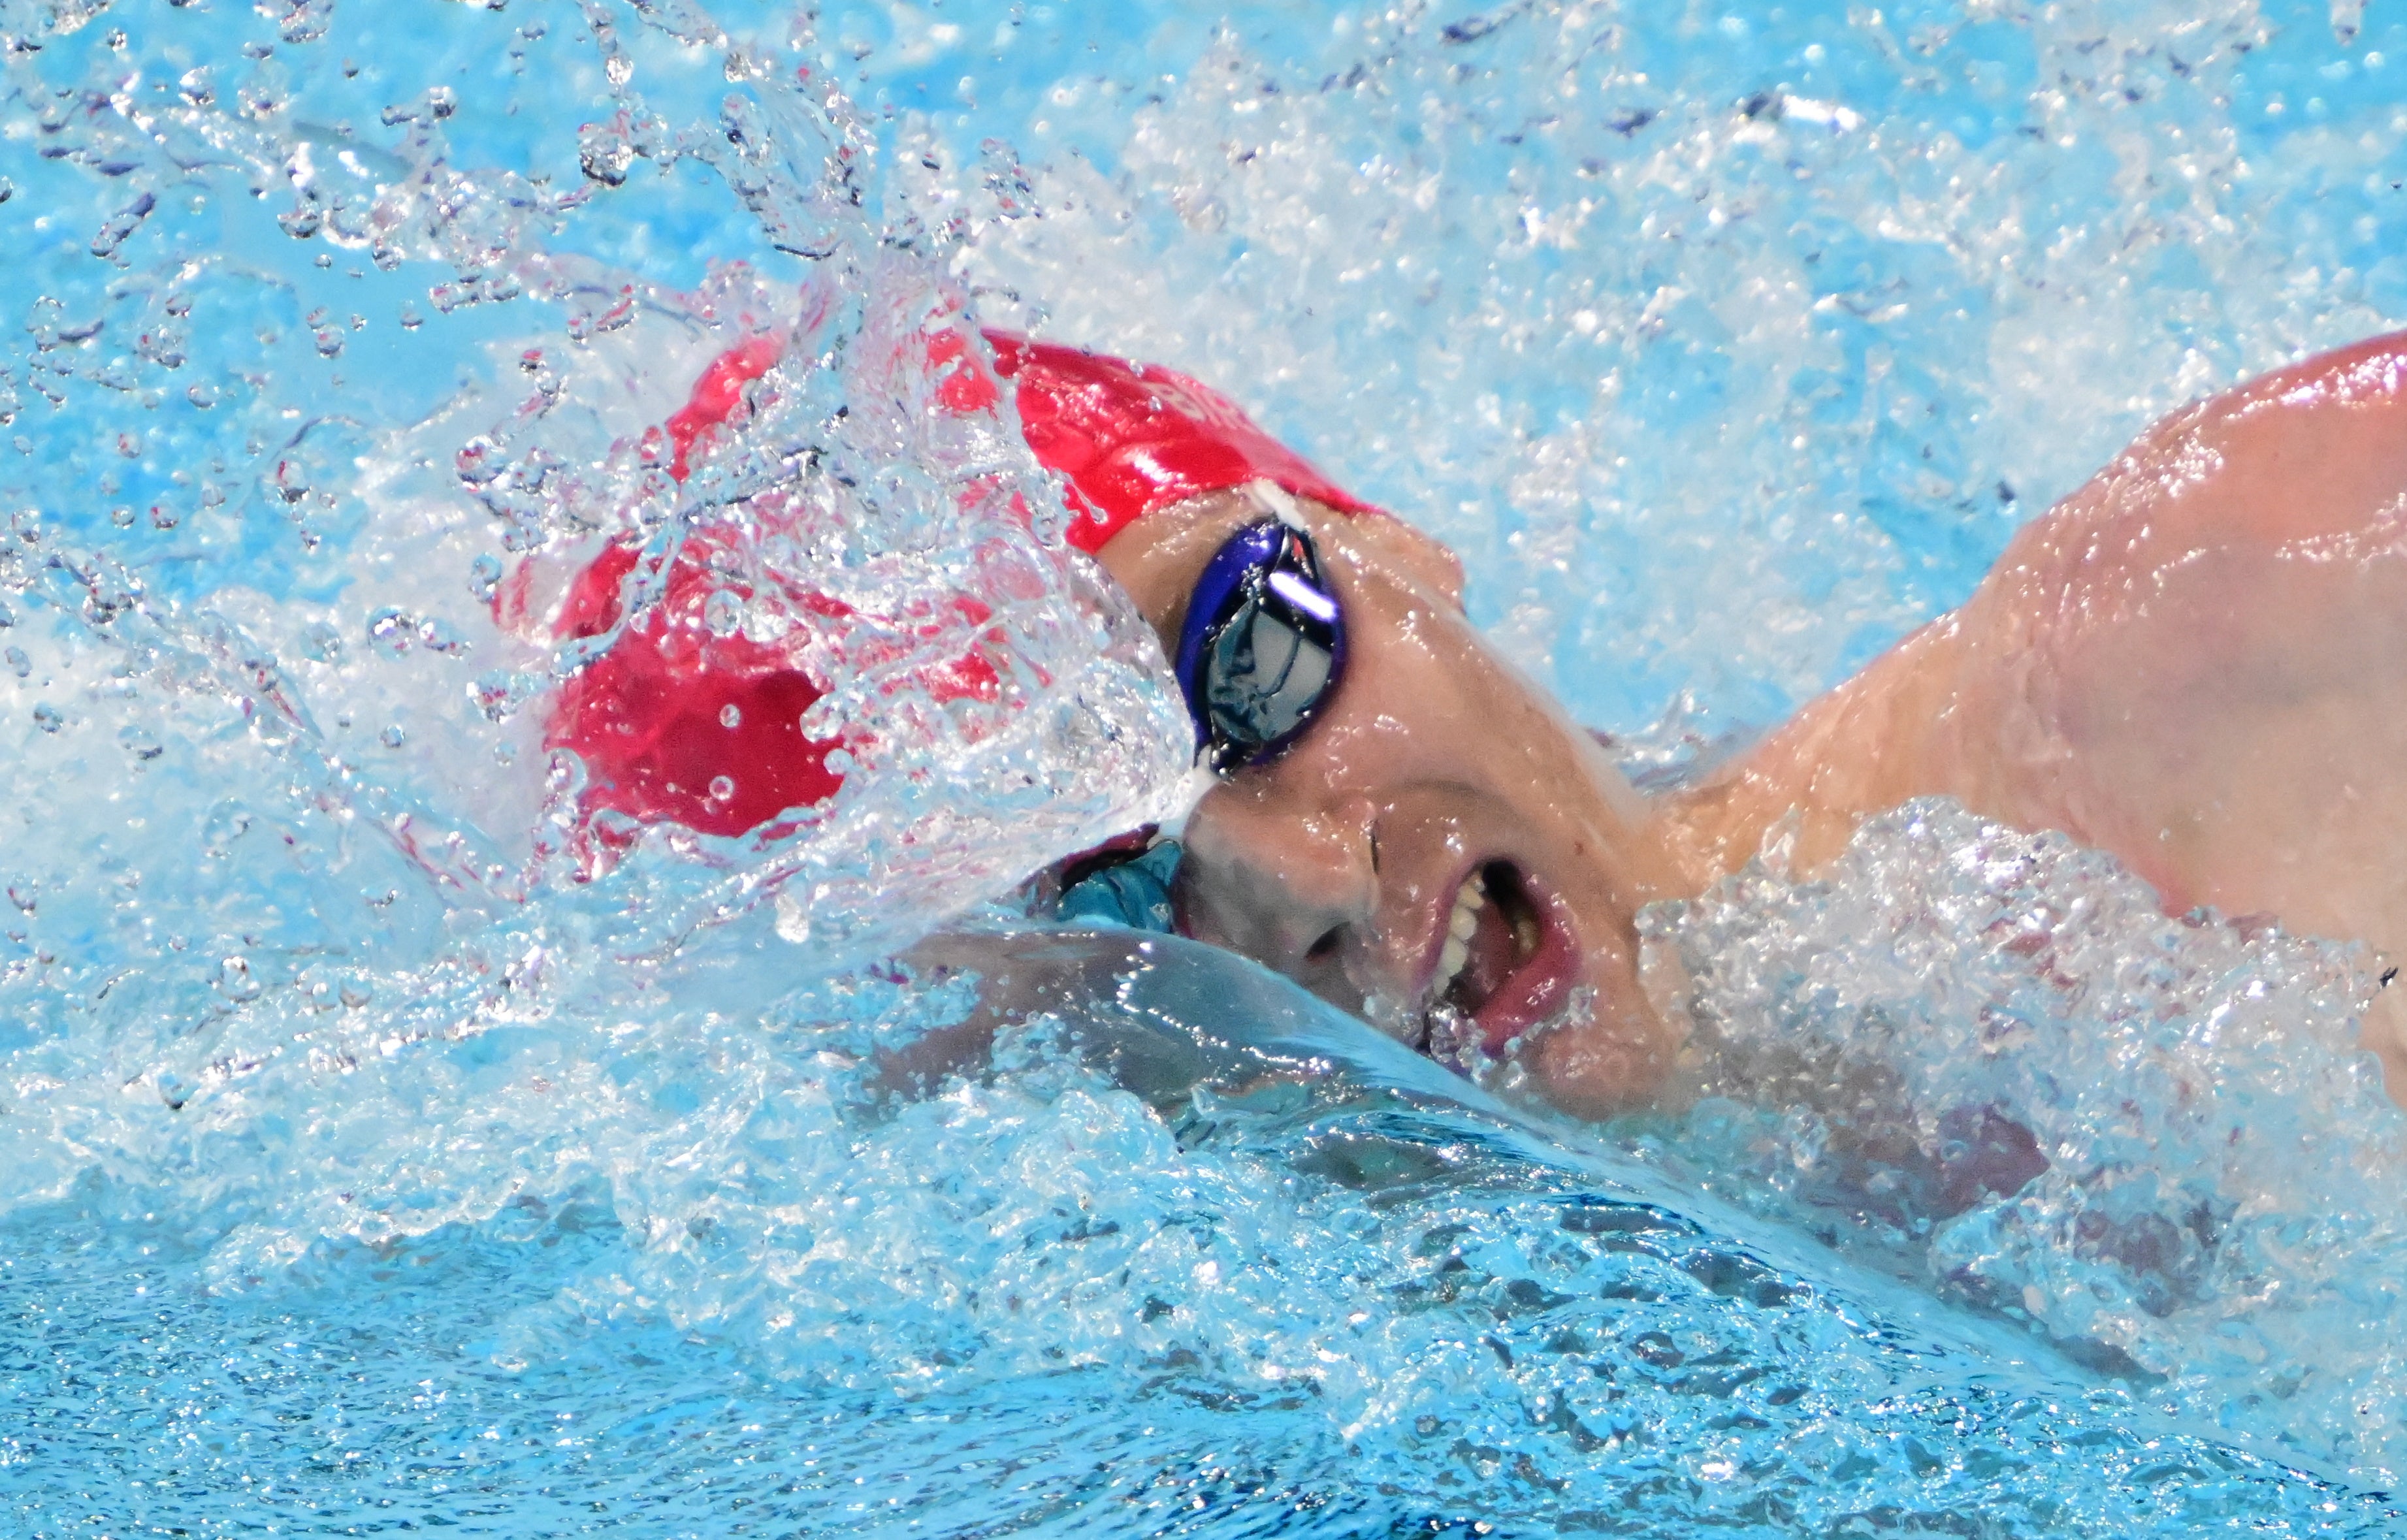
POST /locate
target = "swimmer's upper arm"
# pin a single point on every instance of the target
(2314, 452)
(2194, 659)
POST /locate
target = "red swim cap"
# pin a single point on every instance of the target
(1135, 439)
(675, 724)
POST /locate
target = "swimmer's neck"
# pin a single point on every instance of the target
(1886, 735)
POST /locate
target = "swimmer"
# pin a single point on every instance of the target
(2197, 662)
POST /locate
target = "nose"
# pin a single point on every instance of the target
(1294, 887)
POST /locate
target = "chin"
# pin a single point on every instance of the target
(1619, 1060)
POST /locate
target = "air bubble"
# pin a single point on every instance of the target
(731, 714)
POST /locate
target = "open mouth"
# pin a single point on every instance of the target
(1509, 958)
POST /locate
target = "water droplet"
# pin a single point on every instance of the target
(500, 693)
(724, 614)
(46, 717)
(322, 642)
(604, 156)
(236, 981)
(19, 664)
(731, 714)
(227, 822)
(439, 637)
(390, 630)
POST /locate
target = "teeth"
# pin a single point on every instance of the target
(1460, 926)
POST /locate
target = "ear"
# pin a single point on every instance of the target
(1420, 557)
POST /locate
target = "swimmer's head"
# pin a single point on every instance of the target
(1400, 820)
(1423, 835)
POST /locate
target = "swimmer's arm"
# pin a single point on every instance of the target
(2195, 659)
(2187, 663)
(2197, 662)
(2206, 648)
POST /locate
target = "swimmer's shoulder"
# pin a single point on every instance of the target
(2316, 452)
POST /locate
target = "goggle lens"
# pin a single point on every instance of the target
(1263, 646)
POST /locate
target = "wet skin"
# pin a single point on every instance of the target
(2196, 662)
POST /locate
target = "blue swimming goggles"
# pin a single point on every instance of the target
(1262, 648)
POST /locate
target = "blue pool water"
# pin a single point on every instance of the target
(363, 1171)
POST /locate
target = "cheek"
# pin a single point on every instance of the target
(1617, 1060)
(1437, 700)
(1426, 836)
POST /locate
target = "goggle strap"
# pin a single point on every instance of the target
(1280, 502)
(1201, 778)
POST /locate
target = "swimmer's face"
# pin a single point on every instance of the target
(1438, 791)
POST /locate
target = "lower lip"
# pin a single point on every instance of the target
(1541, 986)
